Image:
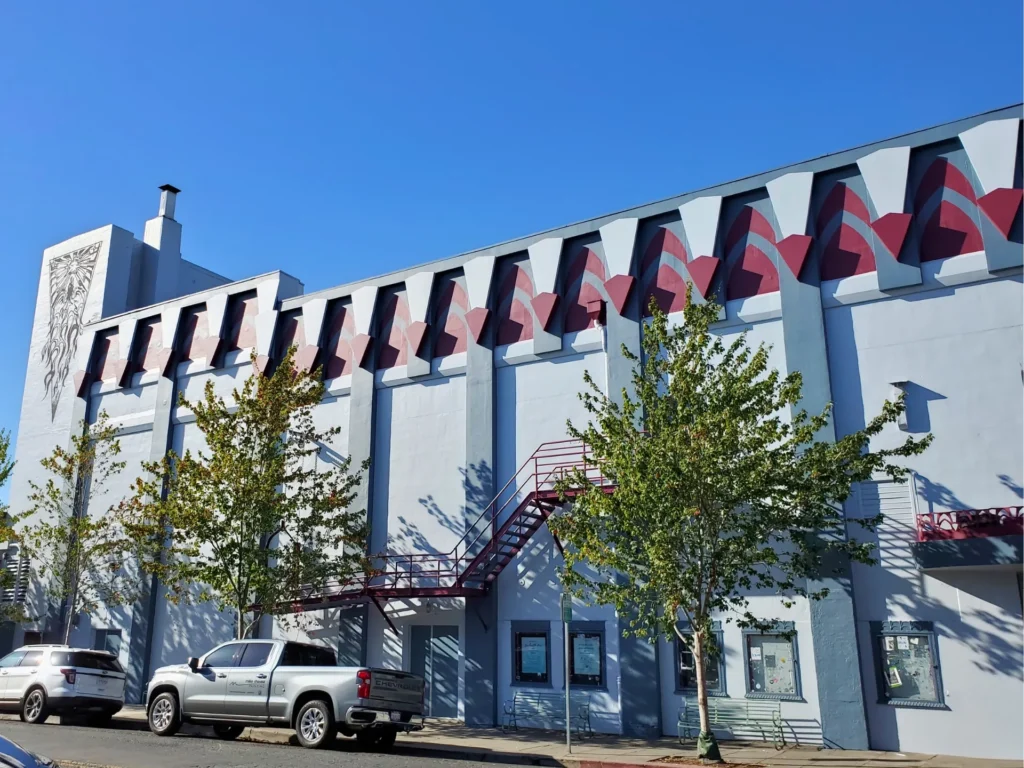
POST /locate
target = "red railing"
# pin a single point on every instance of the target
(970, 523)
(442, 573)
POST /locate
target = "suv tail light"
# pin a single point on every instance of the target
(363, 688)
(69, 675)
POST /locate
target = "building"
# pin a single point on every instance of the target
(894, 266)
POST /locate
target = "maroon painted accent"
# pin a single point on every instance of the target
(949, 232)
(82, 382)
(544, 305)
(702, 272)
(516, 325)
(449, 318)
(477, 319)
(794, 250)
(165, 357)
(751, 274)
(262, 364)
(942, 174)
(241, 333)
(664, 241)
(360, 344)
(122, 373)
(1001, 206)
(748, 221)
(305, 357)
(618, 289)
(585, 274)
(416, 333)
(841, 199)
(337, 348)
(595, 312)
(394, 346)
(515, 322)
(970, 523)
(668, 291)
(147, 347)
(846, 254)
(892, 230)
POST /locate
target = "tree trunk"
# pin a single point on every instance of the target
(240, 624)
(707, 746)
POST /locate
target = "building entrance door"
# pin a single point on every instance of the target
(435, 656)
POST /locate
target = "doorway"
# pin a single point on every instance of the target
(435, 657)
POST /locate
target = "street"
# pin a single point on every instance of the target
(113, 748)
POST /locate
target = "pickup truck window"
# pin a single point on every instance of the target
(255, 655)
(225, 656)
(298, 655)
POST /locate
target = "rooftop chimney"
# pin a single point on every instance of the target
(168, 193)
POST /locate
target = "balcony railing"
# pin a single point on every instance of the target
(970, 523)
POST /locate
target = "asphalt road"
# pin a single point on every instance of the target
(110, 748)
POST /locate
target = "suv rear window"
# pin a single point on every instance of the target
(84, 660)
(298, 655)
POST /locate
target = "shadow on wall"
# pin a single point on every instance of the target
(899, 588)
(189, 630)
(937, 497)
(477, 483)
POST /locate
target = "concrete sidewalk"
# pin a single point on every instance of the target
(547, 748)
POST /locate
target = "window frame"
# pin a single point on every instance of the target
(19, 653)
(100, 641)
(881, 629)
(716, 630)
(38, 658)
(237, 643)
(530, 628)
(780, 628)
(265, 644)
(589, 628)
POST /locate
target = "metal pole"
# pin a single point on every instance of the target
(568, 723)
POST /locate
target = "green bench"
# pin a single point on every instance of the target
(762, 715)
(548, 707)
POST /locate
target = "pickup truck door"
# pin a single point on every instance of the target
(249, 682)
(206, 687)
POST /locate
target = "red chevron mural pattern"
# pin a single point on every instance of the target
(450, 318)
(946, 208)
(661, 272)
(341, 329)
(843, 226)
(514, 311)
(585, 280)
(748, 244)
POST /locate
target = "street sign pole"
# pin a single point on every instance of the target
(566, 620)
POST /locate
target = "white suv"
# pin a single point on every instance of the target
(39, 680)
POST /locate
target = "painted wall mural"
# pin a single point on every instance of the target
(70, 278)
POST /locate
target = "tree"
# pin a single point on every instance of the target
(723, 486)
(9, 610)
(261, 512)
(77, 553)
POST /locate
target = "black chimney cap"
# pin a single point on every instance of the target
(169, 188)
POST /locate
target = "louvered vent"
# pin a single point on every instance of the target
(16, 567)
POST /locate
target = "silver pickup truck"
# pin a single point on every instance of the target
(286, 685)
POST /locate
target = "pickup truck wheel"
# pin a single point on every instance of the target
(164, 717)
(227, 732)
(315, 725)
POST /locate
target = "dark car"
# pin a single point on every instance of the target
(13, 756)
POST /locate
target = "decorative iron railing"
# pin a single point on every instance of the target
(970, 523)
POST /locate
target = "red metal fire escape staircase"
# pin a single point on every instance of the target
(504, 527)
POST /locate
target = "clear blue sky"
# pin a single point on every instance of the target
(339, 140)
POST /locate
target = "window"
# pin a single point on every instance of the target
(772, 668)
(586, 653)
(714, 665)
(108, 640)
(907, 664)
(299, 655)
(85, 660)
(255, 655)
(531, 651)
(32, 659)
(225, 656)
(33, 638)
(12, 659)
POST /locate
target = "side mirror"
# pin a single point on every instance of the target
(193, 663)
